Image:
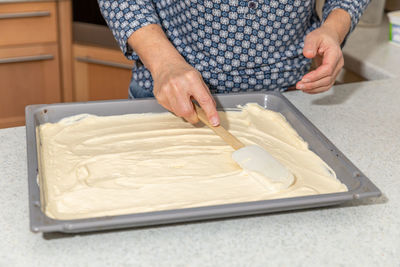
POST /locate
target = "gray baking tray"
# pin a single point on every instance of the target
(358, 184)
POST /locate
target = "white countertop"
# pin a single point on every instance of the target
(369, 54)
(361, 119)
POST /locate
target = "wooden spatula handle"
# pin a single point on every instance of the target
(219, 130)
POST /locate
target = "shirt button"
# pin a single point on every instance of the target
(252, 4)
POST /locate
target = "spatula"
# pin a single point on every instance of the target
(252, 158)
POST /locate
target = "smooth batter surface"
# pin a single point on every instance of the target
(95, 166)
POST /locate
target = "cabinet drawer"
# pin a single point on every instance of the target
(27, 23)
(28, 75)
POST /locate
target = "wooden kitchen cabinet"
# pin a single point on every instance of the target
(35, 56)
(28, 23)
(100, 73)
(28, 75)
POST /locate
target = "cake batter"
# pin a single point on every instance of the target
(97, 166)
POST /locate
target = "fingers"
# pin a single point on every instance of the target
(330, 59)
(206, 101)
(323, 84)
(325, 49)
(200, 92)
(311, 44)
(173, 98)
(319, 83)
(182, 106)
(324, 76)
(162, 100)
(208, 91)
(175, 92)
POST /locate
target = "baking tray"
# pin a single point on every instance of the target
(358, 184)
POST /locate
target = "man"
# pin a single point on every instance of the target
(188, 49)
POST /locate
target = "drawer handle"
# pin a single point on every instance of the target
(103, 62)
(25, 59)
(25, 15)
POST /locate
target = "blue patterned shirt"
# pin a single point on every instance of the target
(237, 45)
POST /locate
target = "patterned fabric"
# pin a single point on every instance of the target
(237, 45)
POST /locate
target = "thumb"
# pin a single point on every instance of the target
(311, 45)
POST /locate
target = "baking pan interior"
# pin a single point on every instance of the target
(358, 185)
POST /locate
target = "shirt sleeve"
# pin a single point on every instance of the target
(354, 7)
(124, 17)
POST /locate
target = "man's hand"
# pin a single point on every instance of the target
(323, 45)
(174, 87)
(176, 83)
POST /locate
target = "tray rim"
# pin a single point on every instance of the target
(40, 222)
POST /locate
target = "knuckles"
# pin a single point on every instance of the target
(191, 74)
(176, 82)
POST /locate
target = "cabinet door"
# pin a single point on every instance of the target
(100, 73)
(28, 75)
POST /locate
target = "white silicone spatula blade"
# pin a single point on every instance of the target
(256, 159)
(251, 158)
